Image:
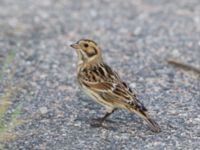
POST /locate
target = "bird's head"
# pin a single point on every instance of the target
(87, 50)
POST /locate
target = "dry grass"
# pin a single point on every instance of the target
(8, 61)
(184, 66)
(6, 101)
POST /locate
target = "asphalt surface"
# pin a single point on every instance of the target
(137, 38)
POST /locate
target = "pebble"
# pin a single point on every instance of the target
(43, 110)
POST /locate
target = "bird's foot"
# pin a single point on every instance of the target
(96, 122)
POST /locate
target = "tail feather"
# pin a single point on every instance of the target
(152, 124)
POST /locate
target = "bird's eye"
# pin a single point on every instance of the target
(86, 45)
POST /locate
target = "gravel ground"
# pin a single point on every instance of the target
(137, 37)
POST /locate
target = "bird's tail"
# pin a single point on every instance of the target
(152, 124)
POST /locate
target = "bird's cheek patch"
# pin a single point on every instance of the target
(91, 52)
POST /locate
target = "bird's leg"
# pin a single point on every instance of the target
(98, 121)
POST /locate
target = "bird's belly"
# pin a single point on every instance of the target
(97, 98)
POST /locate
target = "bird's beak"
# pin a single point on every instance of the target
(75, 46)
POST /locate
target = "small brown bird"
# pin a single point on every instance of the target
(104, 85)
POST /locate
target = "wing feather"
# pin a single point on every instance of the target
(107, 83)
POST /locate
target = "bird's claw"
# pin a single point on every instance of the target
(96, 122)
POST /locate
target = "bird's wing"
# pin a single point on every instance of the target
(103, 80)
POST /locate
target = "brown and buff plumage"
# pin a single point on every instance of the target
(104, 85)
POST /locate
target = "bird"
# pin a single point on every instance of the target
(100, 82)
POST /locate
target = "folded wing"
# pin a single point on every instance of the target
(103, 80)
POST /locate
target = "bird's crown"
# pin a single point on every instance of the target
(87, 49)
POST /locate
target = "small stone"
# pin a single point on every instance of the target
(43, 110)
(93, 13)
(77, 124)
(133, 85)
(137, 31)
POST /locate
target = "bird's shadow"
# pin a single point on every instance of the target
(118, 119)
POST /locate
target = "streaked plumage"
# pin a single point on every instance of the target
(104, 85)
